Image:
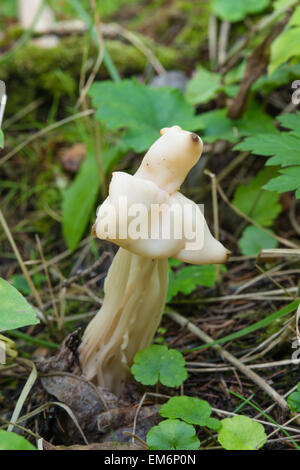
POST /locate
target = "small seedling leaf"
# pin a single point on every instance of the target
(158, 363)
(189, 409)
(173, 434)
(241, 433)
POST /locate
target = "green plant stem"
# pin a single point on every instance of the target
(84, 15)
(32, 339)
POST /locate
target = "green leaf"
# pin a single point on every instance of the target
(241, 433)
(287, 181)
(294, 400)
(216, 125)
(295, 19)
(79, 200)
(20, 283)
(236, 74)
(253, 240)
(237, 10)
(15, 311)
(283, 75)
(158, 363)
(191, 410)
(140, 110)
(284, 147)
(286, 46)
(284, 150)
(291, 121)
(173, 434)
(1, 139)
(187, 279)
(12, 441)
(262, 206)
(203, 86)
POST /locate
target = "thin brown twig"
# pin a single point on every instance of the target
(230, 358)
(83, 273)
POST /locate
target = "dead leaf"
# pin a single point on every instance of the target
(71, 157)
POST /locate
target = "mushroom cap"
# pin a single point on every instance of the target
(146, 215)
(170, 158)
(158, 225)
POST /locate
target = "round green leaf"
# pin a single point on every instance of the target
(15, 311)
(173, 434)
(241, 433)
(189, 409)
(254, 240)
(158, 363)
(12, 441)
(294, 400)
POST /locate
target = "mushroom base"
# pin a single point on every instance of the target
(135, 293)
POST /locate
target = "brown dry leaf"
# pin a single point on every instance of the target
(83, 398)
(71, 157)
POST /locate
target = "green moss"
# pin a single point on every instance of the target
(195, 31)
(182, 24)
(33, 73)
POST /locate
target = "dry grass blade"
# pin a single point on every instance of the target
(47, 405)
(24, 394)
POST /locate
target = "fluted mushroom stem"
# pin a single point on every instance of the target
(135, 293)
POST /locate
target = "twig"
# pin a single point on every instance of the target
(220, 368)
(256, 66)
(233, 54)
(212, 40)
(230, 358)
(223, 41)
(232, 165)
(83, 273)
(114, 28)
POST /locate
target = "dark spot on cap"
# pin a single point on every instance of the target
(194, 136)
(93, 231)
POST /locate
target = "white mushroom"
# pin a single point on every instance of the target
(137, 282)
